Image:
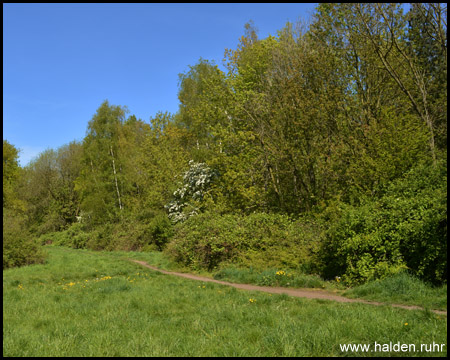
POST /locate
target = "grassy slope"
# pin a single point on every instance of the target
(51, 310)
(402, 289)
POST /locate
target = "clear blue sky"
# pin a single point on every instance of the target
(61, 61)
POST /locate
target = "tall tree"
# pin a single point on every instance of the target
(48, 188)
(427, 42)
(385, 27)
(101, 170)
(378, 120)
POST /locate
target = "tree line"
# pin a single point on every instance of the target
(322, 120)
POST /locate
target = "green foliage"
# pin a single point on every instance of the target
(427, 40)
(100, 176)
(330, 119)
(259, 240)
(153, 233)
(75, 237)
(416, 207)
(405, 228)
(48, 188)
(11, 174)
(159, 231)
(152, 155)
(19, 248)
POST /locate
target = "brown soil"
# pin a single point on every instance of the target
(304, 293)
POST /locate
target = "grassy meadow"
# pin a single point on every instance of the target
(85, 303)
(402, 288)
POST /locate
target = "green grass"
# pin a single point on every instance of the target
(399, 289)
(270, 277)
(402, 288)
(124, 309)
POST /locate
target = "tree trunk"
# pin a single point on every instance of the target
(115, 177)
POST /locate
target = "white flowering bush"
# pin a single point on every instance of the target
(188, 198)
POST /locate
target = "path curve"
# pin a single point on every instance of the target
(303, 293)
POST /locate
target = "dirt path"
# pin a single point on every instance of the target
(304, 293)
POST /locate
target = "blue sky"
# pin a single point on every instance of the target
(61, 61)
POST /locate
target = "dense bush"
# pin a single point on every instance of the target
(405, 228)
(18, 246)
(417, 209)
(158, 231)
(151, 233)
(75, 237)
(100, 237)
(259, 240)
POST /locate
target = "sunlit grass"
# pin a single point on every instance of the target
(83, 303)
(399, 289)
(402, 288)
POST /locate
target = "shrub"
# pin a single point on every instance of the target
(149, 233)
(100, 237)
(418, 217)
(75, 237)
(18, 247)
(159, 231)
(405, 228)
(259, 240)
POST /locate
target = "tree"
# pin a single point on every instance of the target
(427, 43)
(190, 197)
(11, 174)
(376, 138)
(164, 154)
(101, 173)
(18, 246)
(48, 188)
(384, 25)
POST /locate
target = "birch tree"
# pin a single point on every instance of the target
(100, 179)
